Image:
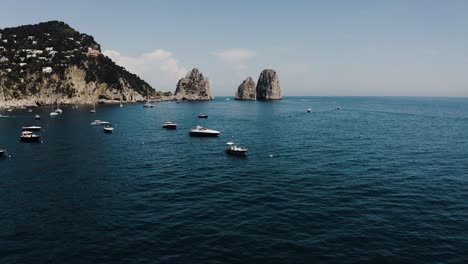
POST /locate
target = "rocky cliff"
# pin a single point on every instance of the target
(246, 90)
(48, 62)
(193, 87)
(268, 87)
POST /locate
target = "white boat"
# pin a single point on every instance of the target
(9, 110)
(29, 110)
(148, 105)
(31, 128)
(37, 117)
(204, 132)
(2, 152)
(235, 150)
(108, 128)
(58, 111)
(53, 114)
(309, 110)
(93, 110)
(99, 123)
(28, 136)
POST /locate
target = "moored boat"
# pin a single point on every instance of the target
(108, 128)
(2, 152)
(204, 132)
(37, 117)
(309, 110)
(99, 123)
(202, 116)
(170, 125)
(148, 105)
(235, 150)
(28, 136)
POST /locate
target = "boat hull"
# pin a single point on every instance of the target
(30, 139)
(2, 152)
(31, 129)
(203, 134)
(236, 152)
(109, 131)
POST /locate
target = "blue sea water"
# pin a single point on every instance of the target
(383, 180)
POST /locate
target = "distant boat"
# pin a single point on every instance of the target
(170, 125)
(99, 123)
(2, 152)
(227, 99)
(309, 110)
(29, 110)
(53, 114)
(177, 101)
(9, 110)
(202, 116)
(148, 105)
(58, 111)
(94, 109)
(235, 150)
(204, 132)
(108, 128)
(31, 128)
(28, 136)
(37, 117)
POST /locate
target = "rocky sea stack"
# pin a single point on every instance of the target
(51, 62)
(246, 90)
(193, 87)
(268, 87)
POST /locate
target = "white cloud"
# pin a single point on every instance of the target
(236, 57)
(158, 67)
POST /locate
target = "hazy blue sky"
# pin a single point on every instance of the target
(317, 47)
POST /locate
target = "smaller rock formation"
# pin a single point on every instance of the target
(246, 90)
(268, 87)
(193, 87)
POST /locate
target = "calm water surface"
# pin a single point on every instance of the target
(383, 180)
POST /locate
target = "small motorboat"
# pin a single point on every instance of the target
(92, 111)
(235, 150)
(121, 105)
(170, 125)
(147, 105)
(309, 110)
(202, 116)
(37, 117)
(58, 111)
(53, 114)
(108, 128)
(99, 123)
(204, 132)
(28, 136)
(2, 152)
(31, 128)
(29, 110)
(9, 110)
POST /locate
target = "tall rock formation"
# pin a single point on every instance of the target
(193, 87)
(246, 90)
(268, 87)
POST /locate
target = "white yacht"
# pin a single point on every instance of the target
(108, 128)
(148, 105)
(235, 150)
(204, 132)
(170, 125)
(99, 123)
(28, 136)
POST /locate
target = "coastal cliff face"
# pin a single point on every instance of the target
(246, 90)
(268, 87)
(193, 87)
(51, 62)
